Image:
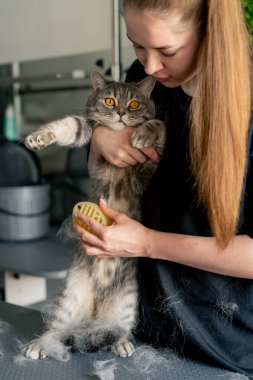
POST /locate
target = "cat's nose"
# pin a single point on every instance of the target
(121, 111)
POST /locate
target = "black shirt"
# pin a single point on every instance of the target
(195, 312)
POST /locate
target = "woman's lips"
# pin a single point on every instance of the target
(161, 80)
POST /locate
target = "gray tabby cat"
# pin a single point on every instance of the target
(98, 307)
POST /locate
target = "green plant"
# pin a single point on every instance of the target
(248, 10)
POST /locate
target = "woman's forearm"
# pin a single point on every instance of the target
(129, 238)
(203, 253)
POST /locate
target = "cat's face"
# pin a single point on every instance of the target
(118, 105)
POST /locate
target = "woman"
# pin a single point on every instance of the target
(196, 270)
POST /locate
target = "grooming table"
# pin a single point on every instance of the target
(27, 265)
(24, 323)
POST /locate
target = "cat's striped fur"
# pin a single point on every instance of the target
(98, 306)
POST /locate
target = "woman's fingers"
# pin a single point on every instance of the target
(151, 153)
(127, 155)
(116, 148)
(94, 251)
(136, 155)
(91, 243)
(87, 237)
(113, 240)
(97, 229)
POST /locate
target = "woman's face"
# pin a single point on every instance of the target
(165, 46)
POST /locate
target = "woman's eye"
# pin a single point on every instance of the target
(137, 46)
(110, 102)
(168, 54)
(134, 104)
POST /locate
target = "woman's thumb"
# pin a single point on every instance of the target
(110, 212)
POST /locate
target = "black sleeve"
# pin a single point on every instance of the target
(246, 217)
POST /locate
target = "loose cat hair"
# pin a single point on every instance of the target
(98, 306)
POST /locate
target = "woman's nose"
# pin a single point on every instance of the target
(153, 63)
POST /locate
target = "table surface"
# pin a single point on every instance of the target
(24, 323)
(48, 257)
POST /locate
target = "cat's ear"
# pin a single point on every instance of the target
(146, 86)
(97, 80)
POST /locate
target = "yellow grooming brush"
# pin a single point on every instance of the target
(94, 211)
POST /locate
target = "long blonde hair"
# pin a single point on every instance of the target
(220, 108)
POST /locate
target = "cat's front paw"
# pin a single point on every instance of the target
(143, 137)
(39, 139)
(123, 348)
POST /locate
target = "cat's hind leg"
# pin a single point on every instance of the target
(50, 344)
(123, 348)
(125, 315)
(64, 319)
(123, 318)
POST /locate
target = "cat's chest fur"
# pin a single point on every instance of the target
(120, 187)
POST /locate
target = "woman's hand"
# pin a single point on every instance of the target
(116, 148)
(124, 238)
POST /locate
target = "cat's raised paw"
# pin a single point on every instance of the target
(142, 138)
(39, 140)
(123, 348)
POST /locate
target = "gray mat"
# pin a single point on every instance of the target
(145, 364)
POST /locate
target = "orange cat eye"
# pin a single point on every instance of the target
(110, 102)
(134, 105)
